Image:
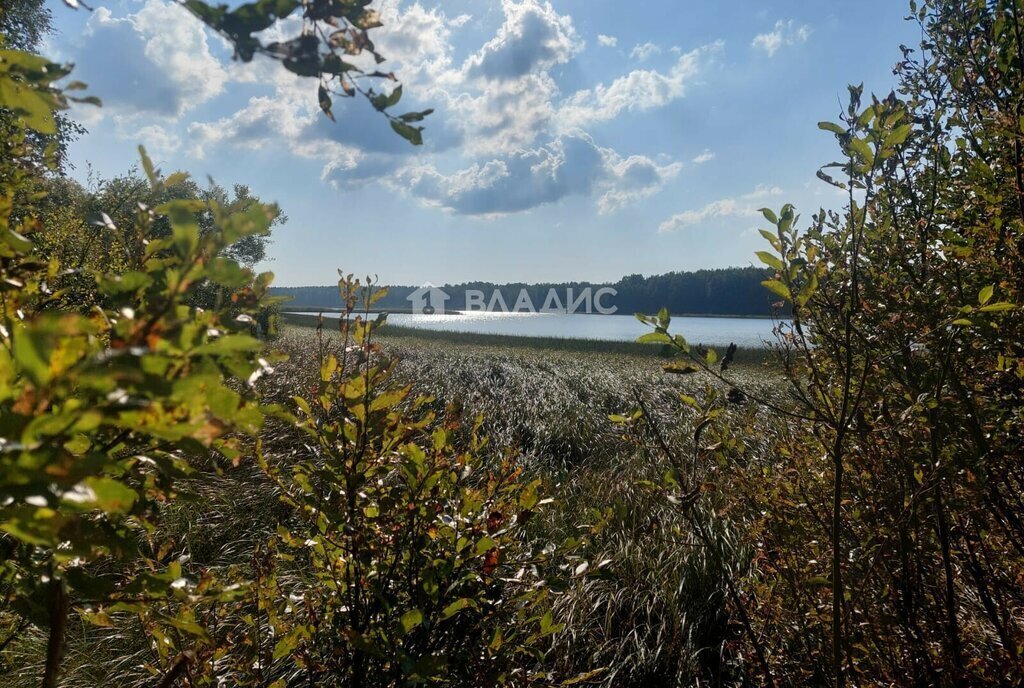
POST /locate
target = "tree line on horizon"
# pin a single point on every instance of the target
(722, 291)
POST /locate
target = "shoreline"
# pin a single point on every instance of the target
(309, 310)
(744, 355)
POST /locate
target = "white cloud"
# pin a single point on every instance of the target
(763, 191)
(159, 141)
(499, 114)
(785, 33)
(501, 97)
(416, 42)
(263, 119)
(347, 168)
(156, 61)
(726, 207)
(637, 91)
(507, 115)
(533, 37)
(643, 51)
(722, 208)
(706, 156)
(568, 166)
(634, 178)
(607, 41)
(460, 21)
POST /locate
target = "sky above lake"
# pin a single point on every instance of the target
(571, 140)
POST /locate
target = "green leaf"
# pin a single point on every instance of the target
(528, 498)
(285, 645)
(410, 620)
(771, 237)
(32, 353)
(778, 288)
(484, 545)
(770, 260)
(654, 338)
(229, 344)
(413, 135)
(227, 273)
(680, 368)
(862, 149)
(998, 307)
(332, 64)
(689, 401)
(808, 290)
(32, 102)
(324, 99)
(394, 97)
(985, 295)
(833, 127)
(416, 116)
(898, 135)
(548, 626)
(147, 167)
(188, 625)
(111, 495)
(456, 607)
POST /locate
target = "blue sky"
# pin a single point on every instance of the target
(573, 139)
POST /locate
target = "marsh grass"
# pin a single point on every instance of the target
(654, 613)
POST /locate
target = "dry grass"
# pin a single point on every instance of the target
(656, 613)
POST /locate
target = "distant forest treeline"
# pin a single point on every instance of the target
(726, 291)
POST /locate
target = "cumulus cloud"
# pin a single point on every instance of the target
(643, 51)
(785, 33)
(262, 119)
(507, 115)
(634, 178)
(763, 191)
(726, 207)
(639, 90)
(499, 113)
(607, 41)
(706, 156)
(159, 141)
(417, 41)
(534, 37)
(568, 166)
(156, 61)
(502, 96)
(346, 168)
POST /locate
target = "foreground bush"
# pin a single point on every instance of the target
(887, 516)
(409, 562)
(103, 411)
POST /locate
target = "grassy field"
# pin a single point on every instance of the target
(657, 616)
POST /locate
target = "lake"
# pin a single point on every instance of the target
(745, 332)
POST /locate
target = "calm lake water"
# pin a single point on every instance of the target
(746, 332)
